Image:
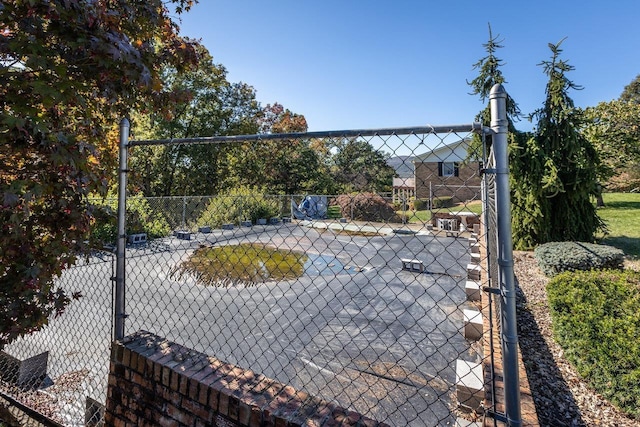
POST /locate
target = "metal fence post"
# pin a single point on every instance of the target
(499, 125)
(119, 303)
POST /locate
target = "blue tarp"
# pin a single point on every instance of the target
(312, 207)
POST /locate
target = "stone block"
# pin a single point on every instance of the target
(476, 229)
(472, 325)
(261, 221)
(245, 224)
(474, 272)
(469, 385)
(27, 373)
(413, 265)
(137, 239)
(206, 229)
(472, 290)
(227, 226)
(274, 221)
(183, 235)
(475, 258)
(475, 248)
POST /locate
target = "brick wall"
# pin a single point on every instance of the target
(154, 382)
(462, 188)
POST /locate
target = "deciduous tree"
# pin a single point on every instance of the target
(631, 92)
(69, 70)
(358, 166)
(614, 129)
(211, 106)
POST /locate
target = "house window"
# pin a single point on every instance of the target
(447, 168)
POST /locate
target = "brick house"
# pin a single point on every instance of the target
(446, 171)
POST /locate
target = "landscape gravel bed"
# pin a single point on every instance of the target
(561, 397)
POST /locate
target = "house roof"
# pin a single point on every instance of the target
(453, 152)
(404, 182)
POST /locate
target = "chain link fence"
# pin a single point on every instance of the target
(366, 303)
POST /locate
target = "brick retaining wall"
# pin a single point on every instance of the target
(154, 382)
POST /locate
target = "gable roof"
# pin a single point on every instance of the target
(453, 152)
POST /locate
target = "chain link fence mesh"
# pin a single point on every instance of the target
(361, 299)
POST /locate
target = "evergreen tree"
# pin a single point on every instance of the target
(490, 75)
(554, 173)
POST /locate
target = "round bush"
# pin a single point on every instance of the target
(239, 204)
(366, 207)
(555, 257)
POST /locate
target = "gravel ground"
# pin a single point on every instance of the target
(561, 397)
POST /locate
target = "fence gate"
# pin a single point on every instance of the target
(376, 304)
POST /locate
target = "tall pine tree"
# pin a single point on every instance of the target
(554, 172)
(490, 75)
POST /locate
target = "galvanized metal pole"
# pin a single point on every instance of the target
(499, 126)
(119, 303)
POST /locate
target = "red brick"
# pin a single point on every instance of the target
(175, 381)
(193, 389)
(214, 398)
(183, 417)
(223, 403)
(196, 409)
(166, 376)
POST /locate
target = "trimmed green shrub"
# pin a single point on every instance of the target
(596, 320)
(421, 204)
(555, 257)
(140, 217)
(333, 212)
(239, 204)
(442, 202)
(366, 207)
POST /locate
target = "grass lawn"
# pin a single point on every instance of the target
(424, 216)
(622, 215)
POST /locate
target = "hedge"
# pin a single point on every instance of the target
(555, 257)
(596, 320)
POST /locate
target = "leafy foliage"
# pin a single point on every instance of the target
(554, 173)
(420, 204)
(239, 204)
(357, 166)
(442, 202)
(596, 319)
(489, 75)
(366, 207)
(140, 218)
(631, 92)
(213, 106)
(69, 70)
(556, 257)
(614, 129)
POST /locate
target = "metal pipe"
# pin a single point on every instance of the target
(119, 300)
(473, 127)
(499, 125)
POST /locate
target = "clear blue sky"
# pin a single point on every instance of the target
(372, 64)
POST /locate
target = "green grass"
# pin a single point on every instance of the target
(622, 216)
(244, 263)
(425, 216)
